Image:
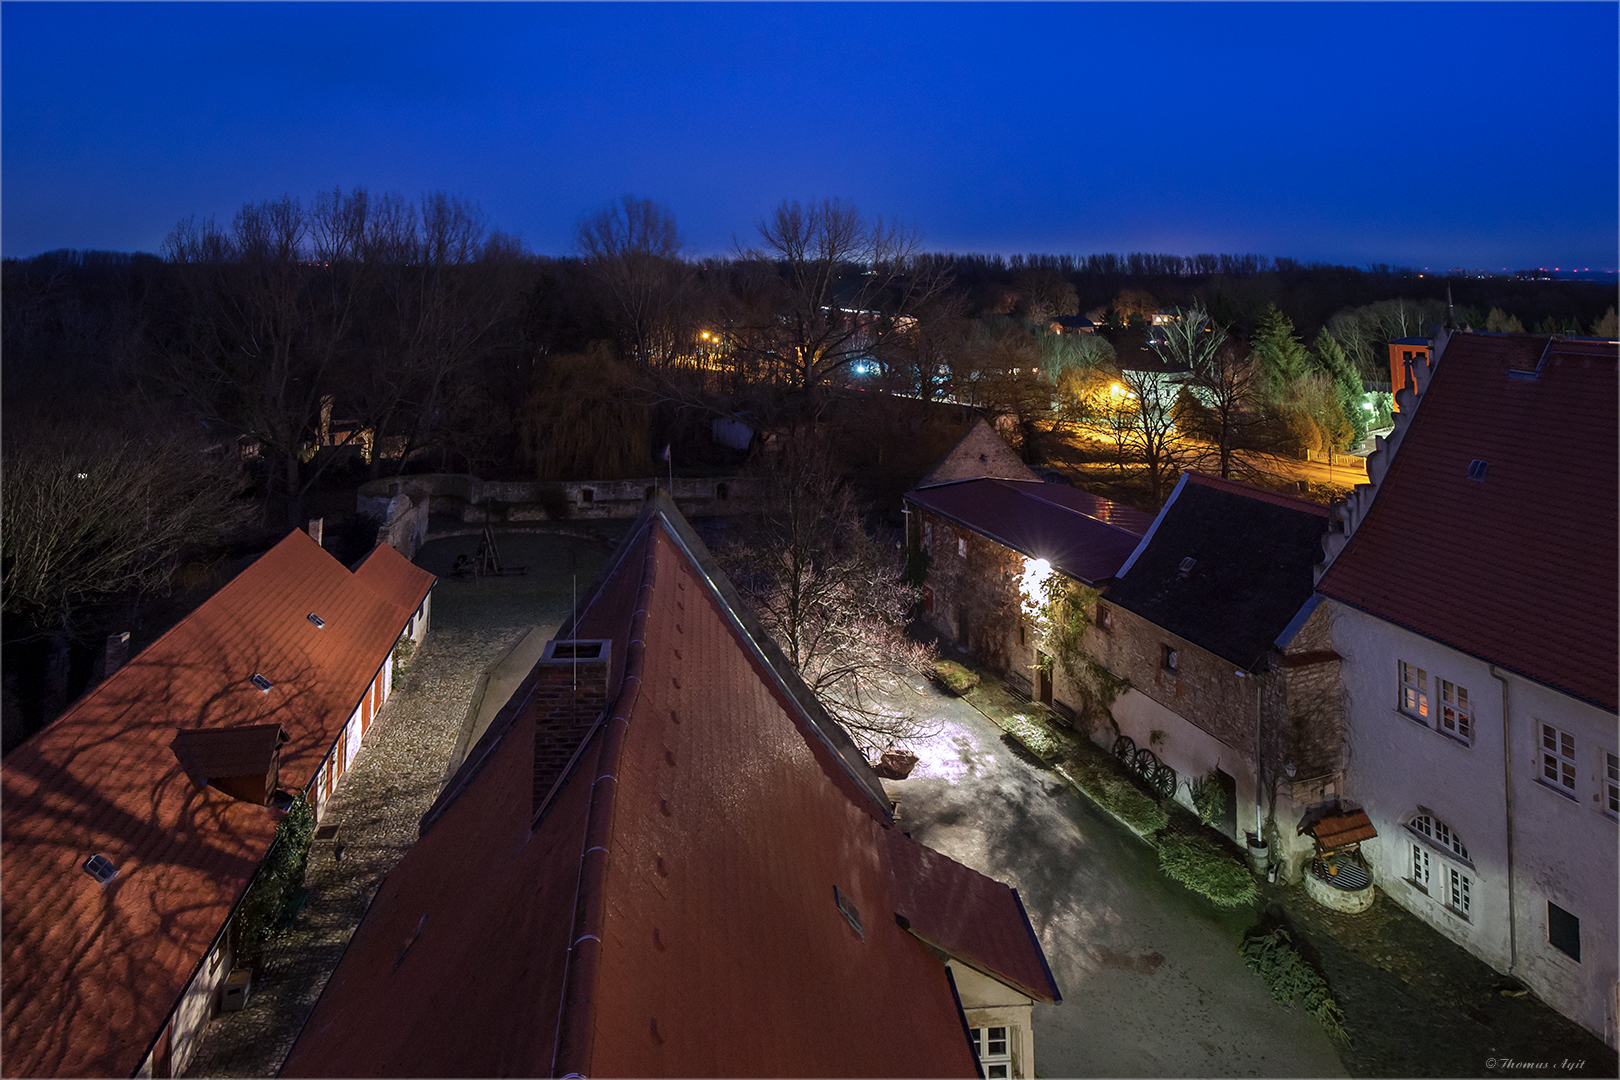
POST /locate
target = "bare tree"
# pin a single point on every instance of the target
(632, 256)
(88, 515)
(831, 596)
(1150, 435)
(827, 288)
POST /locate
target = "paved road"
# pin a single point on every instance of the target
(1151, 978)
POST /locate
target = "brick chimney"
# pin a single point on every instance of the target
(569, 695)
(315, 529)
(116, 654)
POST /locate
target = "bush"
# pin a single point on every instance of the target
(1040, 741)
(957, 679)
(1110, 789)
(280, 876)
(1208, 868)
(1288, 976)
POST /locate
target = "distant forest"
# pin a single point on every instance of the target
(165, 416)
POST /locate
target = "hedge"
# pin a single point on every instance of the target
(958, 679)
(1207, 867)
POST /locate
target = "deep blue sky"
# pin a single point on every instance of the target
(1457, 134)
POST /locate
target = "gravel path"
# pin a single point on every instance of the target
(395, 777)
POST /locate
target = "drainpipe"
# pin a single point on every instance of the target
(1507, 791)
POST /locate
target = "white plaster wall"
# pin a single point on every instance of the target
(1186, 748)
(988, 1002)
(1564, 849)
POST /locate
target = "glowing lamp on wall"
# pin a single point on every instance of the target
(1032, 585)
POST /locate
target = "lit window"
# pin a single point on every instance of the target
(1105, 619)
(961, 547)
(1167, 658)
(1563, 931)
(1456, 719)
(993, 1047)
(1414, 691)
(1557, 757)
(1612, 781)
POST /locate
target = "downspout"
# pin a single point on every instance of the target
(1507, 792)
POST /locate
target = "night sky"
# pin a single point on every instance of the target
(1443, 135)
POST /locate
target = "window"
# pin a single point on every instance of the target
(587, 495)
(1456, 719)
(1420, 866)
(1105, 619)
(315, 620)
(1476, 469)
(721, 491)
(1021, 634)
(928, 536)
(1563, 931)
(1557, 758)
(1612, 781)
(100, 868)
(1439, 832)
(1460, 885)
(1414, 691)
(993, 1047)
(262, 683)
(961, 547)
(1167, 658)
(851, 914)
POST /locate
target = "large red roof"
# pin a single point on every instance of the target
(1083, 535)
(1517, 569)
(90, 973)
(673, 913)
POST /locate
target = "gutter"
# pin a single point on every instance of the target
(1507, 792)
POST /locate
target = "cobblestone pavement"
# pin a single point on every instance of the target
(395, 777)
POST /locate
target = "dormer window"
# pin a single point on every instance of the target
(1186, 566)
(315, 620)
(101, 868)
(262, 683)
(1476, 469)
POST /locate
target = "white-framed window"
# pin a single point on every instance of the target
(1456, 717)
(1169, 659)
(1414, 690)
(1558, 758)
(1438, 831)
(1457, 895)
(961, 547)
(1611, 782)
(1420, 866)
(993, 1047)
(1105, 619)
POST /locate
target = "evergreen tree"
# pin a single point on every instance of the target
(1282, 356)
(1607, 327)
(1346, 384)
(1500, 322)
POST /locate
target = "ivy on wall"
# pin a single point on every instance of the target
(1061, 621)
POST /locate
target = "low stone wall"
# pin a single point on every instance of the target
(404, 519)
(473, 500)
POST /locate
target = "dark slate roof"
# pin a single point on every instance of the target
(1411, 341)
(1074, 322)
(1517, 569)
(1253, 555)
(1082, 535)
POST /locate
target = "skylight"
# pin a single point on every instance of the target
(1186, 566)
(846, 907)
(262, 683)
(101, 868)
(315, 620)
(1476, 469)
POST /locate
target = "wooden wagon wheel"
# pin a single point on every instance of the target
(1146, 762)
(1163, 781)
(1125, 751)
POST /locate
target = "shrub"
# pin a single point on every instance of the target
(1106, 786)
(1208, 798)
(280, 876)
(957, 679)
(1288, 976)
(1040, 741)
(1208, 868)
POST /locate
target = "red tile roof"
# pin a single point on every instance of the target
(673, 913)
(90, 974)
(1348, 827)
(1517, 569)
(1084, 536)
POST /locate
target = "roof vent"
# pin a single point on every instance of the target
(315, 620)
(1186, 566)
(1476, 469)
(262, 683)
(846, 907)
(577, 650)
(101, 868)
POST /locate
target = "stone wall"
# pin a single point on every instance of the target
(972, 586)
(473, 500)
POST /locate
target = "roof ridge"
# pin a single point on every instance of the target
(1254, 491)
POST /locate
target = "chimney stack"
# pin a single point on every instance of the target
(117, 653)
(315, 529)
(569, 695)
